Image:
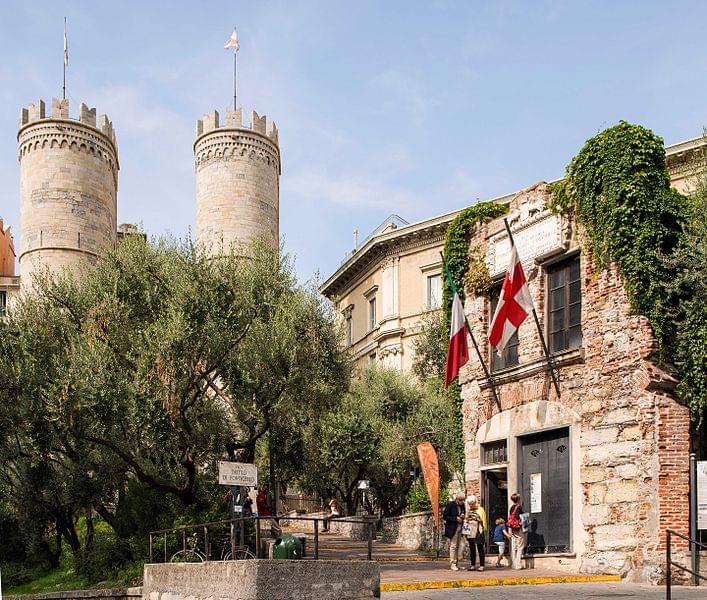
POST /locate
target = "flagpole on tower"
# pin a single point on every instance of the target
(548, 358)
(232, 42)
(235, 80)
(66, 59)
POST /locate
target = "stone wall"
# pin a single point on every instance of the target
(415, 531)
(262, 580)
(237, 181)
(629, 437)
(68, 187)
(133, 593)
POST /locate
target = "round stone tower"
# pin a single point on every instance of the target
(68, 187)
(237, 181)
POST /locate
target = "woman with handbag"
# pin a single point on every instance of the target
(519, 533)
(474, 530)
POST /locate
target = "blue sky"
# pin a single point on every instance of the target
(414, 108)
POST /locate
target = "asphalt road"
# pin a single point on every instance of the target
(557, 591)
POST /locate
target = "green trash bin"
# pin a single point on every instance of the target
(287, 547)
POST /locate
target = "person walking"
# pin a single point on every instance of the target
(518, 536)
(475, 532)
(500, 533)
(453, 516)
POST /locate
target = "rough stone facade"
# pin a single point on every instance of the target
(628, 436)
(68, 187)
(414, 531)
(237, 181)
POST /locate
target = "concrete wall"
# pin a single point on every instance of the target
(237, 181)
(262, 580)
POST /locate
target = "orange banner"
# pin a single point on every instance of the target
(430, 471)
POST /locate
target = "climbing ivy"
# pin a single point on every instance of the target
(618, 188)
(456, 247)
(457, 257)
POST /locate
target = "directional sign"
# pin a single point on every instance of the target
(234, 473)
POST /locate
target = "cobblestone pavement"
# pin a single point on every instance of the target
(556, 591)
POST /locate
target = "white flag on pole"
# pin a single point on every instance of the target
(233, 42)
(66, 45)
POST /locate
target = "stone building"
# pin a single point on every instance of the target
(68, 187)
(9, 282)
(237, 181)
(603, 469)
(387, 284)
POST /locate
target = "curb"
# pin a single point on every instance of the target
(468, 583)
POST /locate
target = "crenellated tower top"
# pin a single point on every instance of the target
(60, 112)
(234, 120)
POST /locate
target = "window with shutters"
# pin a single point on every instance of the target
(564, 305)
(509, 358)
(3, 303)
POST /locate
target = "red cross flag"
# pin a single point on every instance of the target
(514, 305)
(458, 350)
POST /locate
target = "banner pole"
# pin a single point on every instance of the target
(548, 358)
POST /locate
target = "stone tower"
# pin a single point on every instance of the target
(237, 181)
(68, 187)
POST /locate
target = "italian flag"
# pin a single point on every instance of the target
(458, 350)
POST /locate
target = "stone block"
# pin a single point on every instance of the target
(595, 514)
(615, 537)
(599, 435)
(626, 490)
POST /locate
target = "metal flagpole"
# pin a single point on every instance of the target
(66, 58)
(550, 363)
(487, 373)
(235, 79)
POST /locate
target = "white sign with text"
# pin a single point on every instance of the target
(702, 494)
(235, 473)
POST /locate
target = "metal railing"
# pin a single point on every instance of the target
(237, 529)
(670, 563)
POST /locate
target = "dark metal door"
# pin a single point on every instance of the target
(545, 480)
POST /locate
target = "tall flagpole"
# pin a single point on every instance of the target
(548, 358)
(66, 60)
(235, 80)
(487, 373)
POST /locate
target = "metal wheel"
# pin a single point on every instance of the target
(187, 556)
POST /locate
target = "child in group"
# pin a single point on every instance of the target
(500, 534)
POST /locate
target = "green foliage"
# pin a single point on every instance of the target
(418, 499)
(456, 246)
(477, 278)
(119, 391)
(430, 351)
(456, 255)
(372, 434)
(687, 306)
(618, 188)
